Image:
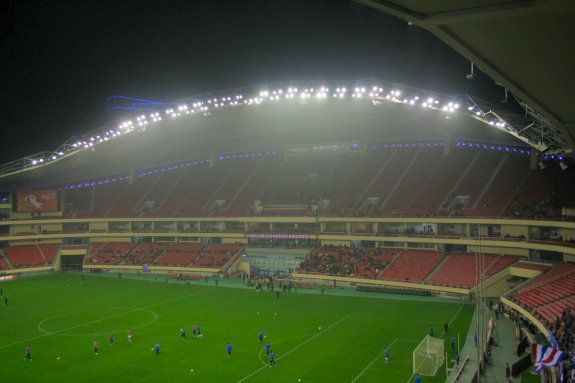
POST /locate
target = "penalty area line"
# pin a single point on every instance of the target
(297, 347)
(453, 319)
(373, 361)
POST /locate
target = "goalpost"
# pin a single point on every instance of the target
(428, 356)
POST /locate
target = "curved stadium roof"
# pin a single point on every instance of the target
(271, 119)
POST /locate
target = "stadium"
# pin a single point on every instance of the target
(337, 219)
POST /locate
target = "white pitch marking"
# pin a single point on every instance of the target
(373, 361)
(109, 317)
(298, 346)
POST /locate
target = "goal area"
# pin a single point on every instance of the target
(428, 356)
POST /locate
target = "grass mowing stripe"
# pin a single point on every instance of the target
(106, 318)
(389, 319)
(298, 346)
(33, 290)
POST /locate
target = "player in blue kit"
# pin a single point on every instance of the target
(430, 330)
(417, 379)
(386, 355)
(183, 333)
(453, 343)
(261, 336)
(272, 359)
(229, 350)
(157, 349)
(267, 347)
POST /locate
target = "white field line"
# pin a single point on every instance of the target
(373, 361)
(452, 319)
(298, 346)
(279, 341)
(106, 318)
(450, 323)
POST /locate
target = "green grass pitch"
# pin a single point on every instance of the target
(316, 338)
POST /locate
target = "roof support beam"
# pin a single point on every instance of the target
(434, 23)
(511, 9)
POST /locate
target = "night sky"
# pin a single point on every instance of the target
(61, 60)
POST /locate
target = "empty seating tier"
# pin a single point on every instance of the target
(460, 270)
(412, 266)
(411, 181)
(25, 256)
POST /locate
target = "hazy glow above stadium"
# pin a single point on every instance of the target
(375, 94)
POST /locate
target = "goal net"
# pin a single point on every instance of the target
(428, 356)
